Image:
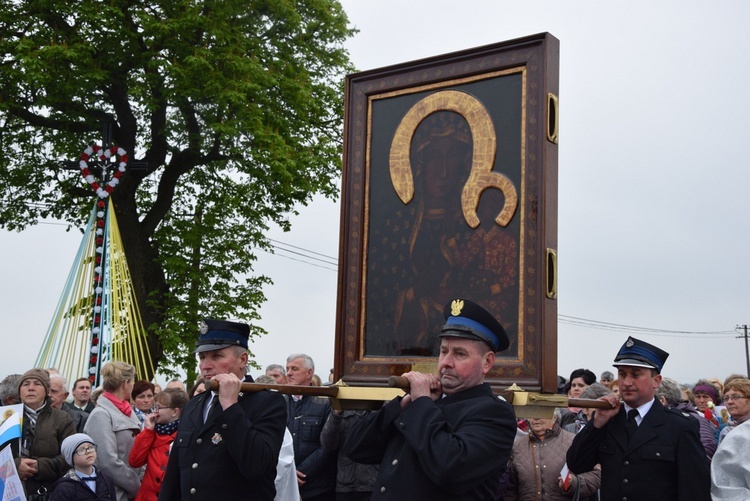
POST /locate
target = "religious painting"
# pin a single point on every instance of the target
(449, 191)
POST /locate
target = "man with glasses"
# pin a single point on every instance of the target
(645, 450)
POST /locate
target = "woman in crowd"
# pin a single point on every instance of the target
(737, 402)
(197, 388)
(537, 461)
(614, 387)
(39, 461)
(143, 399)
(593, 392)
(152, 445)
(580, 379)
(669, 393)
(707, 400)
(113, 426)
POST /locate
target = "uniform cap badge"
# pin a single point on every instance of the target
(203, 326)
(456, 306)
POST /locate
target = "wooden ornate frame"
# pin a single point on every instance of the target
(507, 93)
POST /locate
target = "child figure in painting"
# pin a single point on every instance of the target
(83, 481)
(153, 444)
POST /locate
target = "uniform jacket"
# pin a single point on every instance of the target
(350, 476)
(305, 419)
(151, 450)
(455, 448)
(71, 488)
(536, 464)
(52, 427)
(114, 434)
(232, 456)
(664, 460)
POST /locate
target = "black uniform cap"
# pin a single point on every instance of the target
(466, 319)
(218, 334)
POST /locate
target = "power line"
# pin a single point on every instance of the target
(332, 262)
(609, 326)
(326, 261)
(300, 260)
(302, 248)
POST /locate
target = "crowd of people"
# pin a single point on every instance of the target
(448, 437)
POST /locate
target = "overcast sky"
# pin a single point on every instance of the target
(653, 185)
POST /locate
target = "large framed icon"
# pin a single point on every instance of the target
(450, 191)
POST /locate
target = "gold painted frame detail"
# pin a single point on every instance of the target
(509, 195)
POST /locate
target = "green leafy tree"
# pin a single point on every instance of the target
(235, 106)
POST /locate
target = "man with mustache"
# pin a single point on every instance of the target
(449, 437)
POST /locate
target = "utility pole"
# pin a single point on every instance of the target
(747, 350)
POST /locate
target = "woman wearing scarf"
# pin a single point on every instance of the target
(153, 444)
(113, 426)
(39, 461)
(143, 399)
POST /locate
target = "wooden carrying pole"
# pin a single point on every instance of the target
(343, 397)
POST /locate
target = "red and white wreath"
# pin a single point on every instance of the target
(103, 155)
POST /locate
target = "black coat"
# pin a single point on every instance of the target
(455, 448)
(664, 460)
(232, 456)
(78, 416)
(72, 488)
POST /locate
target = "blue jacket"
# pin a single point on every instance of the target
(305, 419)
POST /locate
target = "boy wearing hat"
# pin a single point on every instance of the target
(449, 437)
(645, 450)
(227, 442)
(83, 481)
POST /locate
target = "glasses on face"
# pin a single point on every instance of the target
(85, 450)
(730, 398)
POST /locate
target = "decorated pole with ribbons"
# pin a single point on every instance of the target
(102, 242)
(97, 318)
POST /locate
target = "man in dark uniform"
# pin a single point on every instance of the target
(228, 442)
(449, 438)
(645, 450)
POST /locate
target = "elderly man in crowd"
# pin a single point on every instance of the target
(449, 437)
(58, 393)
(277, 372)
(228, 441)
(306, 415)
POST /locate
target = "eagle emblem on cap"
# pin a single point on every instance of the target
(629, 343)
(456, 306)
(203, 326)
